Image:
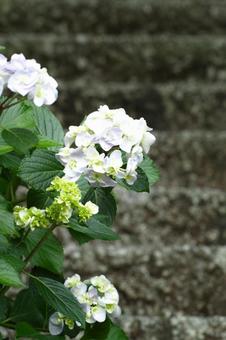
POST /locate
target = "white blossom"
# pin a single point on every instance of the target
(93, 208)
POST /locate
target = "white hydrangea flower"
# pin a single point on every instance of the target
(113, 144)
(98, 299)
(44, 90)
(26, 77)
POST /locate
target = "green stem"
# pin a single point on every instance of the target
(25, 234)
(38, 245)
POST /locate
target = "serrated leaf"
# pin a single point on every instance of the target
(60, 298)
(17, 116)
(94, 229)
(10, 161)
(48, 126)
(150, 169)
(7, 226)
(20, 139)
(50, 255)
(39, 169)
(4, 147)
(8, 274)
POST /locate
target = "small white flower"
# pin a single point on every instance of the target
(114, 163)
(101, 283)
(96, 161)
(109, 138)
(56, 324)
(98, 313)
(23, 82)
(99, 180)
(131, 174)
(76, 165)
(147, 140)
(44, 90)
(93, 208)
(64, 154)
(72, 281)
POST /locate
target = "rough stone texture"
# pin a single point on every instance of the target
(125, 58)
(176, 327)
(191, 158)
(113, 17)
(156, 280)
(168, 106)
(172, 216)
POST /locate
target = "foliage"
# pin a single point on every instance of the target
(34, 201)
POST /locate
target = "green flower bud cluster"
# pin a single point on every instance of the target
(67, 201)
(32, 217)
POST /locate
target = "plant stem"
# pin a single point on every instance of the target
(38, 245)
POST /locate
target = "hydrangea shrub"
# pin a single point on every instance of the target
(51, 180)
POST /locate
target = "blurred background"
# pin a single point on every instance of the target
(166, 61)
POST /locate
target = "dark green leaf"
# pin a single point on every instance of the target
(104, 331)
(8, 274)
(84, 186)
(106, 203)
(7, 226)
(4, 307)
(39, 169)
(48, 126)
(150, 169)
(10, 161)
(4, 147)
(94, 229)
(24, 330)
(39, 199)
(17, 116)
(60, 298)
(50, 255)
(20, 139)
(141, 184)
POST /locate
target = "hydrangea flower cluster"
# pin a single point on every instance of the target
(97, 297)
(27, 78)
(107, 146)
(60, 211)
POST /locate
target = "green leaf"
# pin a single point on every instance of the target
(93, 228)
(7, 225)
(39, 169)
(104, 331)
(48, 126)
(44, 143)
(20, 139)
(39, 199)
(17, 116)
(150, 170)
(141, 184)
(27, 307)
(24, 330)
(50, 255)
(4, 307)
(84, 186)
(4, 147)
(8, 274)
(106, 203)
(10, 161)
(60, 298)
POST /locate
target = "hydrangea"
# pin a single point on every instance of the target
(27, 78)
(32, 217)
(59, 211)
(108, 145)
(98, 298)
